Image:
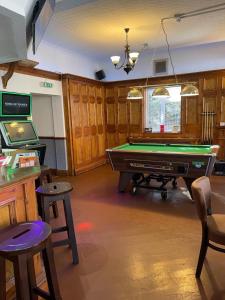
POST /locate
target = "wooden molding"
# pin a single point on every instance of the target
(82, 79)
(52, 137)
(10, 70)
(90, 166)
(33, 72)
(57, 172)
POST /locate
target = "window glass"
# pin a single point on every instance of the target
(163, 114)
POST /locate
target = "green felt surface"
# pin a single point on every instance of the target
(195, 149)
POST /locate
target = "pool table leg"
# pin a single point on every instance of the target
(188, 182)
(124, 180)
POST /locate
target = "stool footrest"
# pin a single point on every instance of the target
(42, 293)
(59, 229)
(61, 243)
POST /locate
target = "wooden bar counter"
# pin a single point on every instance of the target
(18, 204)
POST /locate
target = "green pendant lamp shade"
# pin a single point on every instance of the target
(161, 92)
(189, 90)
(134, 94)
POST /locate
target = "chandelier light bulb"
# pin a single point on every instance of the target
(115, 60)
(134, 56)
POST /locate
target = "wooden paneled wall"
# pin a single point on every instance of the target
(123, 117)
(99, 116)
(85, 124)
(127, 118)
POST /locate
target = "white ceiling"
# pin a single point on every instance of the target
(96, 27)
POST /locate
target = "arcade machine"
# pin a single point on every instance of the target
(16, 127)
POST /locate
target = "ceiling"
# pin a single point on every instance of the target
(96, 27)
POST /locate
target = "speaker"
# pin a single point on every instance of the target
(100, 75)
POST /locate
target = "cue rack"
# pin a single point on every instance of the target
(208, 122)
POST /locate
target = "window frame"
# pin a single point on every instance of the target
(145, 111)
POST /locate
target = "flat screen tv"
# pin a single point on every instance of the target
(18, 133)
(44, 10)
(13, 104)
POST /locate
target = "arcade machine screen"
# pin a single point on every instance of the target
(18, 132)
(13, 104)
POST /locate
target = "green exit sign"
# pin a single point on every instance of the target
(46, 84)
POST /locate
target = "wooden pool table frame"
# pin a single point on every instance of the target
(187, 165)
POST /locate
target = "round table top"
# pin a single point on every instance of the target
(54, 188)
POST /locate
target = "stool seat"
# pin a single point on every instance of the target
(23, 236)
(19, 243)
(54, 188)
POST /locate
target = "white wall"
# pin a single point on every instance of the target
(42, 115)
(30, 84)
(47, 114)
(58, 59)
(21, 83)
(186, 60)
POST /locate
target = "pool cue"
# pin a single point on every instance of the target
(205, 139)
(207, 125)
(213, 126)
(210, 125)
(205, 114)
(203, 120)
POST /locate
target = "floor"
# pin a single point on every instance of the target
(136, 247)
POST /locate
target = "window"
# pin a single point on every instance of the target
(163, 114)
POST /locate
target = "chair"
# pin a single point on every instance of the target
(213, 225)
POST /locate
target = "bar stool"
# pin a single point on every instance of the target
(46, 177)
(19, 243)
(59, 191)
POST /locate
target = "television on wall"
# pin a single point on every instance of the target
(18, 133)
(14, 104)
(43, 11)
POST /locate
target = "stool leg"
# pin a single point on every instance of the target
(21, 277)
(70, 226)
(55, 209)
(49, 177)
(32, 277)
(50, 271)
(2, 279)
(39, 204)
(45, 209)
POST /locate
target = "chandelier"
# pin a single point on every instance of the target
(130, 58)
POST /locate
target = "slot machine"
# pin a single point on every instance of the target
(16, 126)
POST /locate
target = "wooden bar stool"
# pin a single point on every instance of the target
(59, 191)
(46, 177)
(19, 243)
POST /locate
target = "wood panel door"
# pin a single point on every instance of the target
(85, 121)
(111, 117)
(122, 115)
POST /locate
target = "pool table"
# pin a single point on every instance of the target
(162, 160)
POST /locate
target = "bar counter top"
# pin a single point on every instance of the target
(10, 176)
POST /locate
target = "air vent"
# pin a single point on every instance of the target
(160, 66)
